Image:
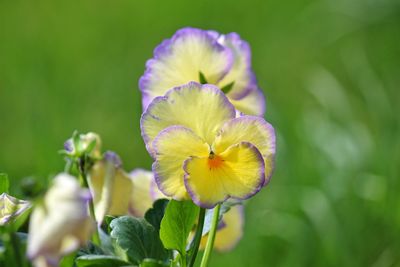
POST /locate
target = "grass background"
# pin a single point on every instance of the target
(331, 74)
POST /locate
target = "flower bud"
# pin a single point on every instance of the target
(89, 143)
(11, 208)
(60, 224)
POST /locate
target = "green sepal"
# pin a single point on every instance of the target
(202, 78)
(227, 88)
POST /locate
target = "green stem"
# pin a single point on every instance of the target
(197, 237)
(96, 236)
(19, 259)
(183, 261)
(211, 237)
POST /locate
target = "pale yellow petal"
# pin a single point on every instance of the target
(201, 108)
(180, 59)
(241, 73)
(252, 104)
(172, 147)
(144, 193)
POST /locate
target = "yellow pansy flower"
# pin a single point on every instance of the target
(207, 57)
(202, 150)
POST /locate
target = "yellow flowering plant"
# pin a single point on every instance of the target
(203, 126)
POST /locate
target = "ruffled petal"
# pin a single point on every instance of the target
(241, 72)
(201, 108)
(172, 147)
(251, 129)
(238, 172)
(180, 59)
(252, 104)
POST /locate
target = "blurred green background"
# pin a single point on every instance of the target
(331, 74)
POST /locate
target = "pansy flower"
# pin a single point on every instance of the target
(206, 57)
(201, 150)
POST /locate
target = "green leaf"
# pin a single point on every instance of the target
(138, 239)
(100, 261)
(4, 183)
(152, 263)
(155, 214)
(227, 88)
(202, 78)
(68, 260)
(178, 221)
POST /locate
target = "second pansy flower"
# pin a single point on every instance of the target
(201, 150)
(206, 57)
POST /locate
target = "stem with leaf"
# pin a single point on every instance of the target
(211, 237)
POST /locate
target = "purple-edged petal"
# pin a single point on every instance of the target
(238, 172)
(241, 72)
(251, 129)
(201, 108)
(180, 59)
(172, 147)
(252, 104)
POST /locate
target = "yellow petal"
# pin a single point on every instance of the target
(201, 108)
(121, 192)
(172, 147)
(238, 172)
(111, 188)
(179, 60)
(230, 233)
(254, 130)
(252, 104)
(144, 193)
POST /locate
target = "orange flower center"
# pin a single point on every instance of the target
(214, 161)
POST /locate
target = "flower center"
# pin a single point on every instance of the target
(214, 161)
